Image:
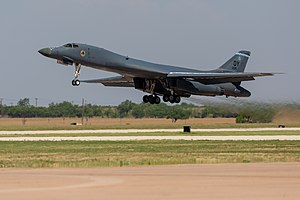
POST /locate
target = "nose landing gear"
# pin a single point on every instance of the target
(75, 81)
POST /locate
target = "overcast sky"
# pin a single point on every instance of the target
(191, 33)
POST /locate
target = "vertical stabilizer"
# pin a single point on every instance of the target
(237, 63)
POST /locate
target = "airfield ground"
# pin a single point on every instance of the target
(92, 148)
(222, 181)
(98, 122)
(265, 168)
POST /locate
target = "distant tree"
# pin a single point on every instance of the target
(64, 109)
(125, 107)
(176, 112)
(138, 111)
(23, 102)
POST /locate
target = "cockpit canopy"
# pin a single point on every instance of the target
(71, 45)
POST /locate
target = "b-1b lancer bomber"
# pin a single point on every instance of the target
(168, 81)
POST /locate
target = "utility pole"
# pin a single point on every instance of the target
(82, 114)
(1, 106)
(36, 103)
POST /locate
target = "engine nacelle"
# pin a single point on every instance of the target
(235, 90)
(186, 88)
(196, 88)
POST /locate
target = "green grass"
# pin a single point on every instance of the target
(226, 133)
(149, 152)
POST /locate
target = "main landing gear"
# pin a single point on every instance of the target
(171, 98)
(75, 81)
(153, 99)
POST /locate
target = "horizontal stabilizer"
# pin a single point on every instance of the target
(117, 81)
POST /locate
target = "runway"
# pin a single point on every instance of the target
(7, 135)
(129, 138)
(210, 181)
(147, 130)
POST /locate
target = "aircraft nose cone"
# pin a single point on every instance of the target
(45, 52)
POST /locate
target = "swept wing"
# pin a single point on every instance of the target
(216, 77)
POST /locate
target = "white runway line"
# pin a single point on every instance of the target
(139, 138)
(145, 131)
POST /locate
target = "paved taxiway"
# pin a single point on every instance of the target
(145, 130)
(128, 138)
(210, 181)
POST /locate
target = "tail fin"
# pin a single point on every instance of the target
(237, 63)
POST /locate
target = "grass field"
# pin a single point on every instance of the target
(133, 153)
(98, 121)
(126, 123)
(107, 123)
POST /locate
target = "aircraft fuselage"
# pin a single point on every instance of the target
(171, 82)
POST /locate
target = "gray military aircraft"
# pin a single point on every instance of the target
(170, 82)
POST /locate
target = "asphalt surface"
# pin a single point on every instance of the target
(210, 181)
(7, 135)
(262, 181)
(128, 138)
(146, 130)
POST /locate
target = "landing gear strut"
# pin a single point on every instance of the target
(77, 70)
(75, 81)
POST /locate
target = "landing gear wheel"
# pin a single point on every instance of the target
(151, 99)
(145, 98)
(156, 99)
(76, 82)
(177, 99)
(172, 99)
(165, 98)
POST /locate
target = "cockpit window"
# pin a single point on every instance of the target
(68, 45)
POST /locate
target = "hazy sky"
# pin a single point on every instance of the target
(192, 33)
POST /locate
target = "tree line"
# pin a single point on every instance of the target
(23, 109)
(250, 113)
